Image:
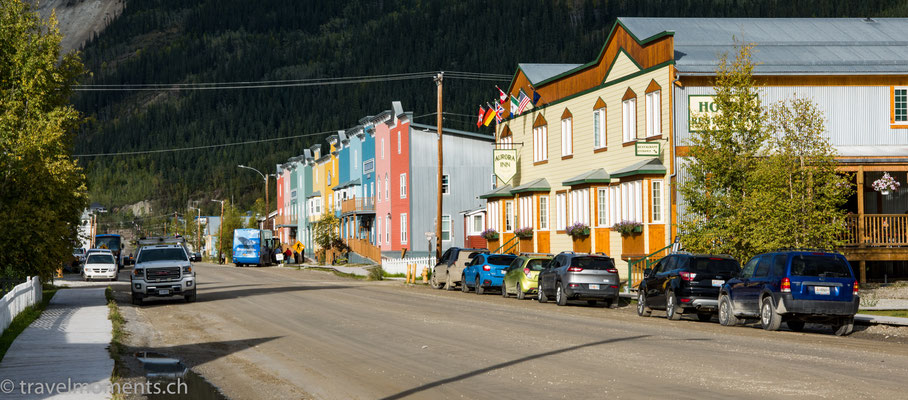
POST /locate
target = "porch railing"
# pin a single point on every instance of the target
(636, 267)
(876, 230)
(357, 204)
(364, 248)
(507, 246)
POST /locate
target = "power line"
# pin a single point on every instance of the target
(211, 146)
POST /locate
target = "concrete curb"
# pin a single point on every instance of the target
(880, 319)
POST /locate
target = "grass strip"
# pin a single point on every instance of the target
(24, 319)
(118, 334)
(338, 273)
(886, 313)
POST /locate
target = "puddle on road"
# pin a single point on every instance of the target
(163, 370)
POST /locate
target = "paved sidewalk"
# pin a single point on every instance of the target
(67, 344)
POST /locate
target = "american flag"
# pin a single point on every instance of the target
(524, 102)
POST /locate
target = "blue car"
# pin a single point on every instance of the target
(486, 271)
(794, 287)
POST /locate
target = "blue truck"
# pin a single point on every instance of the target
(252, 247)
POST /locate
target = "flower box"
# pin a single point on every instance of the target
(577, 230)
(628, 227)
(524, 233)
(489, 234)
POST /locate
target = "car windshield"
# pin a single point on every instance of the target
(161, 255)
(500, 259)
(714, 265)
(592, 262)
(536, 264)
(819, 265)
(100, 259)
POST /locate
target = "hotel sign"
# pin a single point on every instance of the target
(647, 149)
(504, 164)
(700, 106)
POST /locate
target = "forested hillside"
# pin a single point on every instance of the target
(190, 41)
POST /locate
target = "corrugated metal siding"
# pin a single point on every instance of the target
(467, 162)
(855, 115)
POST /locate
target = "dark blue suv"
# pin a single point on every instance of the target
(794, 287)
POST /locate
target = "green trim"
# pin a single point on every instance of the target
(620, 50)
(585, 181)
(639, 172)
(531, 190)
(595, 88)
(495, 195)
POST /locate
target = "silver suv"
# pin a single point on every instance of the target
(579, 276)
(162, 271)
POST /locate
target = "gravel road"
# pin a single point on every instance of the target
(283, 333)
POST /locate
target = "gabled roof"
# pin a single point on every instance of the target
(316, 193)
(354, 182)
(597, 175)
(651, 166)
(538, 185)
(536, 73)
(504, 191)
(785, 46)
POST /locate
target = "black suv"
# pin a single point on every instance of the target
(794, 287)
(683, 283)
(579, 276)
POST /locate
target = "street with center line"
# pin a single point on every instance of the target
(286, 333)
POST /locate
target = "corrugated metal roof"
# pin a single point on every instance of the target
(539, 72)
(785, 45)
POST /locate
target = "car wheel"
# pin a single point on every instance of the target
(614, 302)
(592, 302)
(463, 285)
(504, 289)
(642, 309)
(520, 293)
(844, 327)
(705, 316)
(795, 325)
(479, 289)
(769, 318)
(190, 298)
(136, 300)
(449, 284)
(434, 282)
(726, 314)
(560, 298)
(671, 307)
(540, 294)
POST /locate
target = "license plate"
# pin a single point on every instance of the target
(821, 289)
(718, 282)
(163, 292)
(594, 287)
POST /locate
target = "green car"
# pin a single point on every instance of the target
(520, 277)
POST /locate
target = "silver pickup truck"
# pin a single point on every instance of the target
(162, 271)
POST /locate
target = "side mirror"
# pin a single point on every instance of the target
(647, 272)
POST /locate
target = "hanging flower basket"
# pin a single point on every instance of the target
(489, 234)
(886, 184)
(628, 227)
(577, 230)
(524, 233)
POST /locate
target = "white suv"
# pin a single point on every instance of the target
(100, 266)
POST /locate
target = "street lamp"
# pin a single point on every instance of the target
(198, 228)
(265, 178)
(220, 229)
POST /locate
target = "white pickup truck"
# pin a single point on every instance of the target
(162, 271)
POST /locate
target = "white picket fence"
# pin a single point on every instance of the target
(399, 265)
(23, 295)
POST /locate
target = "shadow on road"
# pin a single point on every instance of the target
(481, 371)
(215, 294)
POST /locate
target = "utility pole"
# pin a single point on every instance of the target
(438, 82)
(220, 229)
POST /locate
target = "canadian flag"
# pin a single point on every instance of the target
(502, 96)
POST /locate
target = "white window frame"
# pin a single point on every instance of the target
(580, 206)
(403, 228)
(378, 228)
(895, 94)
(560, 211)
(629, 120)
(387, 187)
(657, 212)
(567, 137)
(449, 231)
(544, 212)
(509, 216)
(600, 138)
(482, 224)
(602, 206)
(494, 181)
(378, 190)
(527, 212)
(632, 201)
(388, 229)
(398, 142)
(403, 185)
(540, 144)
(382, 148)
(653, 114)
(445, 184)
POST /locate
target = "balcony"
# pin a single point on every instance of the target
(358, 205)
(876, 230)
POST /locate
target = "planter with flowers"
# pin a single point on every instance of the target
(491, 237)
(525, 238)
(886, 185)
(580, 233)
(627, 228)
